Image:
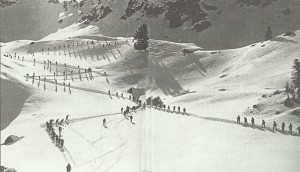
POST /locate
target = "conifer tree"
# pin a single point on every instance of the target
(296, 77)
(141, 38)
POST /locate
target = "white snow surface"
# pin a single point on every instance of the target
(158, 141)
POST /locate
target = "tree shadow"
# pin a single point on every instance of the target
(162, 77)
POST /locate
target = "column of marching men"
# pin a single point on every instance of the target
(55, 136)
(263, 125)
(48, 64)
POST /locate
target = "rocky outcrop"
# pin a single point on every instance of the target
(6, 3)
(254, 3)
(53, 1)
(96, 13)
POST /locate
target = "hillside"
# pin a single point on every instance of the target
(212, 24)
(213, 85)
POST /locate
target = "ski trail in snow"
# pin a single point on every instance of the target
(70, 156)
(92, 117)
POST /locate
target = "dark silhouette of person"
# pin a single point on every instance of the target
(274, 125)
(104, 122)
(68, 167)
(291, 128)
(238, 119)
(245, 121)
(131, 117)
(282, 126)
(252, 122)
(263, 124)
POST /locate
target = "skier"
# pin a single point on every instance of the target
(58, 141)
(67, 119)
(117, 94)
(184, 111)
(282, 126)
(104, 123)
(291, 128)
(174, 108)
(122, 110)
(51, 121)
(109, 92)
(263, 124)
(122, 95)
(129, 97)
(238, 119)
(252, 122)
(245, 121)
(56, 138)
(59, 129)
(62, 143)
(72, 75)
(68, 168)
(33, 62)
(53, 134)
(274, 125)
(131, 117)
(27, 75)
(168, 108)
(64, 73)
(47, 125)
(178, 109)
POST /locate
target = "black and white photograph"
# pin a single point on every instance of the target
(150, 85)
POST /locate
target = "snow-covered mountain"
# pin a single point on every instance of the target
(214, 85)
(48, 48)
(214, 24)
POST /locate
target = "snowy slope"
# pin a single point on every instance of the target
(215, 84)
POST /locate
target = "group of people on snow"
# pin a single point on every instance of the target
(57, 138)
(263, 124)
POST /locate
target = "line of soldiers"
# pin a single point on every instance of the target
(127, 110)
(55, 137)
(264, 124)
(15, 56)
(82, 43)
